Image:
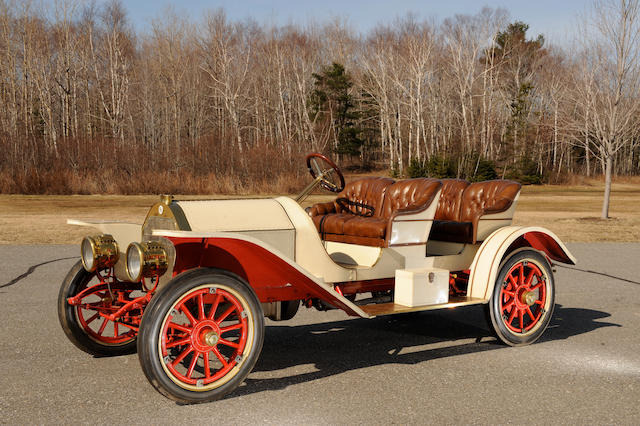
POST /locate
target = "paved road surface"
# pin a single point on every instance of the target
(325, 368)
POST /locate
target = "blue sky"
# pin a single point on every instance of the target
(556, 19)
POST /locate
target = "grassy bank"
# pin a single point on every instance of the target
(572, 212)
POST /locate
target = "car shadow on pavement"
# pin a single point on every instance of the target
(332, 348)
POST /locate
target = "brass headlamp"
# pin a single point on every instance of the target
(99, 252)
(146, 260)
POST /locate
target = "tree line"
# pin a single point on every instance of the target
(90, 105)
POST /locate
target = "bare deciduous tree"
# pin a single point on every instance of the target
(609, 81)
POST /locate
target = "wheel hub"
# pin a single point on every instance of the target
(211, 338)
(206, 334)
(528, 297)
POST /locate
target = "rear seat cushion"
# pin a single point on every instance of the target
(493, 196)
(450, 199)
(477, 199)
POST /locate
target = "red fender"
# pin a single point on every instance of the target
(272, 277)
(500, 243)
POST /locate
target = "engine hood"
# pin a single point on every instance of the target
(235, 215)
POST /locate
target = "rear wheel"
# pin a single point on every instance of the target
(201, 335)
(523, 298)
(85, 322)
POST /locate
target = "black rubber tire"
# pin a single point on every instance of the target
(160, 306)
(496, 320)
(72, 284)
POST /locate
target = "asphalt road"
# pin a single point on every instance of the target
(326, 368)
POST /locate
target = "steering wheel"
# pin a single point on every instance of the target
(331, 177)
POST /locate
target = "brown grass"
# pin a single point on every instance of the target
(572, 212)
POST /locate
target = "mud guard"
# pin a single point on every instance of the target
(490, 255)
(271, 274)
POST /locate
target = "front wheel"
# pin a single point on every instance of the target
(86, 323)
(200, 336)
(523, 298)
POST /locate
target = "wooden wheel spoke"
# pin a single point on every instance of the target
(220, 357)
(180, 327)
(537, 286)
(230, 328)
(520, 315)
(207, 368)
(228, 343)
(214, 307)
(201, 315)
(182, 356)
(93, 317)
(521, 275)
(178, 343)
(530, 278)
(188, 314)
(193, 363)
(103, 326)
(533, 318)
(225, 314)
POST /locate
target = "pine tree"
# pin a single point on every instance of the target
(331, 101)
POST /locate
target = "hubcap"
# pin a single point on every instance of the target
(528, 298)
(211, 338)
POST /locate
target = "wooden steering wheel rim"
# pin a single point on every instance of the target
(332, 165)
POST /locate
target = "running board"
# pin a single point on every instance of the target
(393, 308)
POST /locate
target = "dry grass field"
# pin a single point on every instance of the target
(572, 212)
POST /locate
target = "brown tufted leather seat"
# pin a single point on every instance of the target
(331, 217)
(356, 224)
(447, 225)
(462, 204)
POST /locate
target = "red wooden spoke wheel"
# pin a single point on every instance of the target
(204, 336)
(85, 301)
(201, 336)
(317, 164)
(523, 298)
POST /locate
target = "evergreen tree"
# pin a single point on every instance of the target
(331, 102)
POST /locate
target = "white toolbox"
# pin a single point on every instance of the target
(421, 286)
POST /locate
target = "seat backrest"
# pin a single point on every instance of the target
(409, 195)
(368, 191)
(493, 196)
(451, 199)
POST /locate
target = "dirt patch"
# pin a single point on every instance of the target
(571, 212)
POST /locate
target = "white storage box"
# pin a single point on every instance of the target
(420, 287)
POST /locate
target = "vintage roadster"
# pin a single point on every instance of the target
(190, 287)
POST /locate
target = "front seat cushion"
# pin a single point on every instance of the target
(366, 227)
